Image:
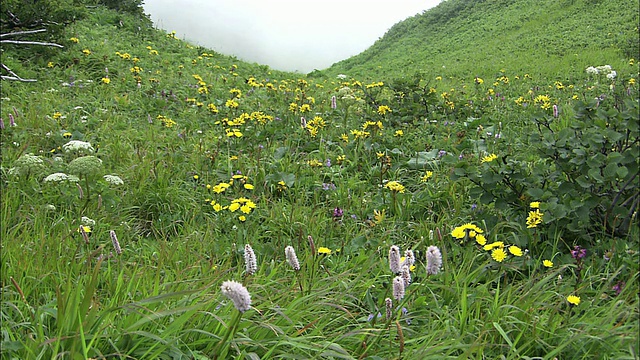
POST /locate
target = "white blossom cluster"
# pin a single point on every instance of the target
(113, 180)
(77, 145)
(602, 70)
(60, 177)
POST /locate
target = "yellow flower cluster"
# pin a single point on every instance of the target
(167, 122)
(489, 158)
(395, 186)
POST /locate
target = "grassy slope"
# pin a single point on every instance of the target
(481, 37)
(162, 297)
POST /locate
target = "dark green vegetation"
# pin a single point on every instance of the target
(521, 168)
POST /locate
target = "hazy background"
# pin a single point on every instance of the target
(285, 34)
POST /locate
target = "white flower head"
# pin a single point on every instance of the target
(113, 180)
(409, 258)
(77, 145)
(251, 266)
(406, 275)
(434, 260)
(292, 258)
(86, 221)
(398, 288)
(394, 259)
(341, 76)
(60, 177)
(592, 71)
(237, 293)
(612, 75)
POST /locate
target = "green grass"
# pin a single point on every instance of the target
(64, 297)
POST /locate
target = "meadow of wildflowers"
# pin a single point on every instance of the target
(263, 214)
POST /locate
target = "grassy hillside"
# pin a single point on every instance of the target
(477, 37)
(140, 174)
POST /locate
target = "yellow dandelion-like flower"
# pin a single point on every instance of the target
(74, 40)
(106, 80)
(324, 250)
(573, 300)
(515, 251)
(547, 263)
(481, 240)
(494, 245)
(498, 254)
(86, 52)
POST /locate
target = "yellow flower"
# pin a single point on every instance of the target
(428, 175)
(494, 245)
(106, 80)
(242, 218)
(305, 108)
(378, 216)
(231, 104)
(515, 251)
(50, 64)
(395, 186)
(86, 52)
(632, 81)
(498, 255)
(196, 177)
(534, 218)
(459, 233)
(481, 240)
(547, 263)
(573, 300)
(248, 186)
(535, 205)
(74, 40)
(398, 133)
(489, 158)
(383, 109)
(324, 251)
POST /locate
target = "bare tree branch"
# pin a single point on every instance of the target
(15, 77)
(30, 43)
(15, 33)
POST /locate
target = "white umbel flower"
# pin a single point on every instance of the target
(113, 180)
(77, 145)
(237, 293)
(59, 177)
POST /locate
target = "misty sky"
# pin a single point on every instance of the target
(285, 34)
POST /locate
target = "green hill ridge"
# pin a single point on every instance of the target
(480, 37)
